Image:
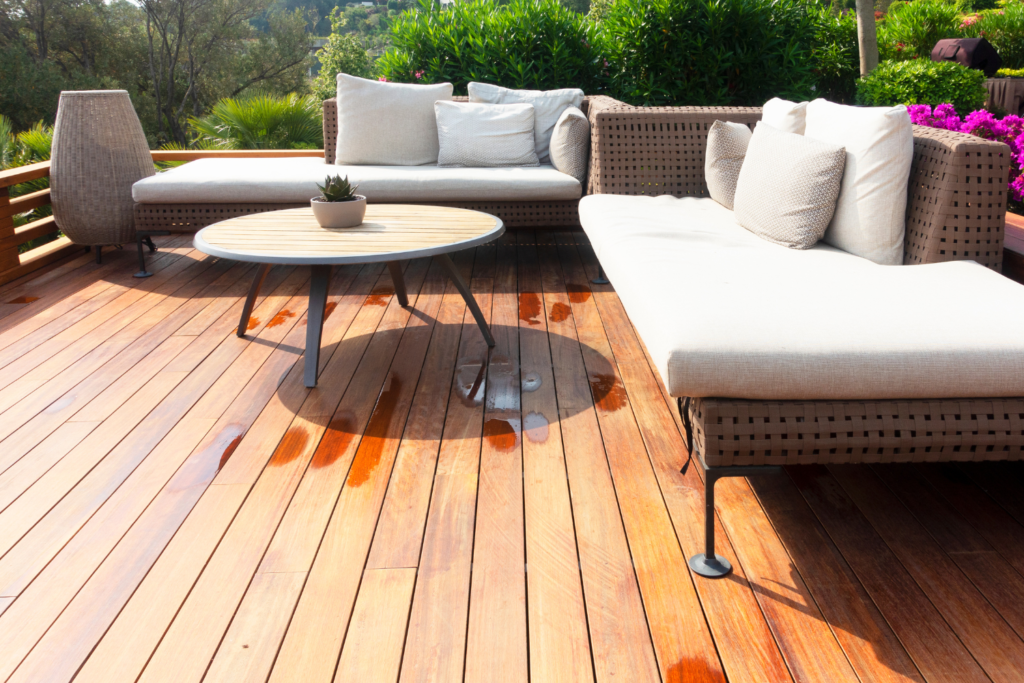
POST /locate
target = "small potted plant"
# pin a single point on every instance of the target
(338, 205)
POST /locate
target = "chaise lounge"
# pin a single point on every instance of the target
(779, 356)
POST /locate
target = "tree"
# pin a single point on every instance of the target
(343, 53)
(867, 36)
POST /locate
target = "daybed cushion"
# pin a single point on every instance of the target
(726, 314)
(727, 147)
(476, 134)
(789, 117)
(293, 180)
(570, 144)
(548, 105)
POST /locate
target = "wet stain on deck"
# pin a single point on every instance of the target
(229, 451)
(329, 308)
(291, 446)
(24, 300)
(692, 670)
(578, 294)
(560, 312)
(531, 382)
(529, 308)
(501, 435)
(372, 446)
(280, 318)
(253, 323)
(609, 395)
(535, 427)
(470, 381)
(380, 296)
(338, 437)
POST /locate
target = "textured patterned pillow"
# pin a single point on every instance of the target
(570, 142)
(548, 106)
(727, 146)
(481, 135)
(788, 187)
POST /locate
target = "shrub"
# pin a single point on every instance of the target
(536, 44)
(1004, 28)
(1010, 73)
(835, 55)
(343, 53)
(710, 52)
(923, 82)
(911, 29)
(262, 122)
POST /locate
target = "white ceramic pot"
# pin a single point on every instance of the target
(339, 214)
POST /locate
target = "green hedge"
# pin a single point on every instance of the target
(911, 29)
(1004, 28)
(923, 81)
(536, 44)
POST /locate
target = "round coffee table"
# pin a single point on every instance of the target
(390, 233)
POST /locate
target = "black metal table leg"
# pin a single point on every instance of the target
(453, 273)
(397, 279)
(318, 285)
(254, 291)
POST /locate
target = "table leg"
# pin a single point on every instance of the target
(318, 285)
(395, 268)
(453, 273)
(254, 291)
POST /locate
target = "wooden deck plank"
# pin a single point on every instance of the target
(619, 636)
(1002, 482)
(557, 619)
(935, 649)
(373, 648)
(238, 444)
(678, 628)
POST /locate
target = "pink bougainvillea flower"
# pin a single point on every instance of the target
(419, 74)
(383, 79)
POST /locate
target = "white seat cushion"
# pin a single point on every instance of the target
(293, 180)
(789, 117)
(727, 314)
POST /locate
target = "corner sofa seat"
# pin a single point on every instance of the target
(726, 313)
(293, 180)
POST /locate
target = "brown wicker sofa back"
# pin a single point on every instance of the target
(957, 192)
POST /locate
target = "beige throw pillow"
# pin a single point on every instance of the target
(548, 105)
(789, 117)
(870, 218)
(727, 146)
(387, 124)
(570, 144)
(483, 135)
(788, 187)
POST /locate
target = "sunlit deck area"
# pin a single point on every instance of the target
(175, 504)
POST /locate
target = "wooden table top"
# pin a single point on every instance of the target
(390, 232)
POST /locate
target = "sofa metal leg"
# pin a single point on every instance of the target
(99, 254)
(146, 237)
(600, 279)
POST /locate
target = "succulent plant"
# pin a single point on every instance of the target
(337, 189)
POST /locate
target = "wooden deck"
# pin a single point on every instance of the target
(176, 506)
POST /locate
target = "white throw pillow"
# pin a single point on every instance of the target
(472, 134)
(870, 218)
(789, 117)
(387, 124)
(788, 187)
(727, 146)
(548, 106)
(570, 142)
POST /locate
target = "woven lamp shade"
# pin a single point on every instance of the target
(99, 152)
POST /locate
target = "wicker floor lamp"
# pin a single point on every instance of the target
(99, 152)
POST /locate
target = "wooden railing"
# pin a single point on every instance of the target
(14, 264)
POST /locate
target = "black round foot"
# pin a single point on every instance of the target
(600, 281)
(712, 569)
(142, 273)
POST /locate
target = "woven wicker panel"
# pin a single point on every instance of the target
(653, 150)
(957, 199)
(192, 217)
(736, 432)
(331, 124)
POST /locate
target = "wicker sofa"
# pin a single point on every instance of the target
(781, 357)
(212, 190)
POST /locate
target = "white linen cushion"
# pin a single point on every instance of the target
(570, 144)
(478, 135)
(548, 106)
(388, 124)
(787, 188)
(756, 320)
(292, 180)
(870, 217)
(727, 145)
(789, 117)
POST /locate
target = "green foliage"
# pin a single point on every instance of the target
(343, 53)
(599, 9)
(923, 82)
(337, 189)
(711, 52)
(1010, 73)
(1004, 28)
(263, 122)
(538, 44)
(911, 29)
(28, 89)
(578, 6)
(28, 147)
(835, 55)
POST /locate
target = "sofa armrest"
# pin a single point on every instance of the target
(653, 150)
(956, 202)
